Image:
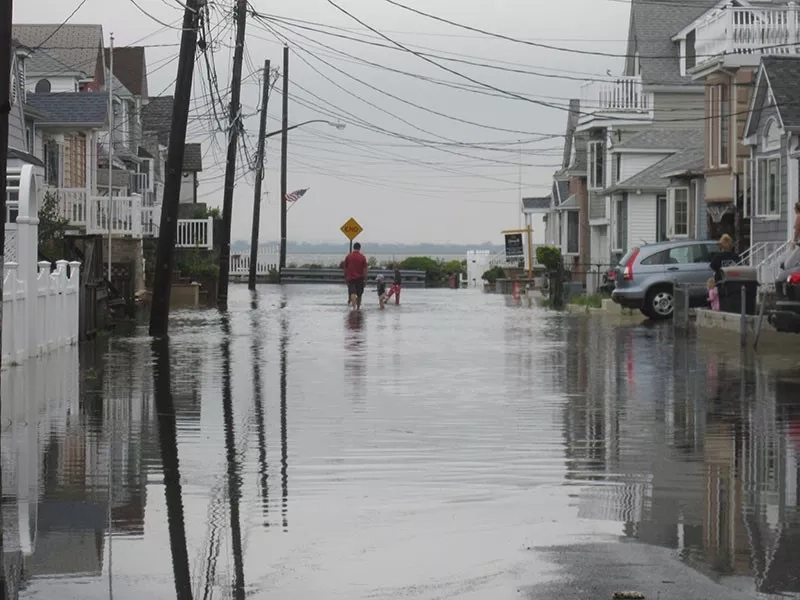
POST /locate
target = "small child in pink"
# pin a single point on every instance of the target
(713, 295)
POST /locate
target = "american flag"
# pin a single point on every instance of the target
(296, 195)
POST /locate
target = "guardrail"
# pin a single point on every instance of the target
(414, 279)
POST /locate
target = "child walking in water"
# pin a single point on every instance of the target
(381, 288)
(713, 294)
(395, 289)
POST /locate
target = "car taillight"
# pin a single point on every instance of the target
(794, 279)
(628, 272)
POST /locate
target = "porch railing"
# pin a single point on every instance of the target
(768, 30)
(195, 233)
(618, 95)
(266, 261)
(119, 215)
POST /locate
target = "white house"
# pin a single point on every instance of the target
(535, 212)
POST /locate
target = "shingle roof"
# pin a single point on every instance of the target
(570, 203)
(652, 25)
(784, 79)
(193, 157)
(563, 190)
(540, 203)
(693, 162)
(120, 89)
(652, 178)
(157, 117)
(76, 48)
(130, 66)
(579, 166)
(654, 138)
(85, 108)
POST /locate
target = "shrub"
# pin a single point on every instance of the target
(549, 257)
(493, 274)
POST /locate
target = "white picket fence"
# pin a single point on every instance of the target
(40, 308)
(266, 261)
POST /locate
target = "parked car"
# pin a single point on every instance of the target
(645, 276)
(786, 315)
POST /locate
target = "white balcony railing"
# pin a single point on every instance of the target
(195, 233)
(119, 215)
(743, 31)
(618, 96)
(71, 203)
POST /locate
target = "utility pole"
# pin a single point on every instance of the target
(162, 286)
(5, 109)
(284, 142)
(230, 165)
(110, 150)
(262, 133)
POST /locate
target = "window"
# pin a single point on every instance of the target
(682, 255)
(596, 165)
(29, 138)
(616, 162)
(678, 212)
(662, 225)
(572, 232)
(51, 163)
(620, 225)
(691, 54)
(771, 140)
(724, 112)
(769, 187)
(711, 146)
(747, 183)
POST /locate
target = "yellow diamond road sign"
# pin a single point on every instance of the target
(352, 229)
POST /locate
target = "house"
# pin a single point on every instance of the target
(655, 90)
(724, 47)
(534, 211)
(568, 218)
(644, 208)
(63, 57)
(156, 125)
(772, 136)
(21, 136)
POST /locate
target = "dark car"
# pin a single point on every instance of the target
(785, 316)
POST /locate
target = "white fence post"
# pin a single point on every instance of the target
(210, 233)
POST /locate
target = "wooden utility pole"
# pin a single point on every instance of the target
(5, 109)
(230, 165)
(262, 138)
(284, 156)
(168, 229)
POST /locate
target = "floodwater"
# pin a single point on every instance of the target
(457, 446)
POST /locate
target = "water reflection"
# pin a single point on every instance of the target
(234, 468)
(257, 327)
(284, 354)
(168, 443)
(355, 357)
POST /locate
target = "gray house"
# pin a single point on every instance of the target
(772, 132)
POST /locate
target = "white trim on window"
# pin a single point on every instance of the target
(596, 165)
(768, 179)
(678, 212)
(723, 125)
(711, 145)
(771, 140)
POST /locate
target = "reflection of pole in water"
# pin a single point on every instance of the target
(258, 396)
(284, 341)
(168, 441)
(234, 471)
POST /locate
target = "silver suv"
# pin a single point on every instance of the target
(645, 275)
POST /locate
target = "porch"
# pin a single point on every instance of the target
(618, 99)
(742, 35)
(134, 215)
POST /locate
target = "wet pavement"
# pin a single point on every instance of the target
(457, 446)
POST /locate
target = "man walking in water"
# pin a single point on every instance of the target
(355, 273)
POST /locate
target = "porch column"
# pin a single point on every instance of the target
(792, 183)
(90, 137)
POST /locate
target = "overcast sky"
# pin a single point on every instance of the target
(398, 169)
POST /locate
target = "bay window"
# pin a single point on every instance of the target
(769, 187)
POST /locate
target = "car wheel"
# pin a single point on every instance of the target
(659, 303)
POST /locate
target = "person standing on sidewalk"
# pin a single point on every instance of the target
(355, 273)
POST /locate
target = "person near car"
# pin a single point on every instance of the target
(796, 238)
(726, 257)
(355, 273)
(713, 294)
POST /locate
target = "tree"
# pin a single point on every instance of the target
(52, 227)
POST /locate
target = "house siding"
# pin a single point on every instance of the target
(633, 164)
(701, 216)
(16, 128)
(773, 228)
(680, 110)
(597, 205)
(57, 84)
(641, 219)
(188, 191)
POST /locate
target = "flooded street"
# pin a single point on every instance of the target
(457, 446)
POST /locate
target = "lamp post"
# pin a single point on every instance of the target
(284, 191)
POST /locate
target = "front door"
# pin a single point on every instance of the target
(661, 218)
